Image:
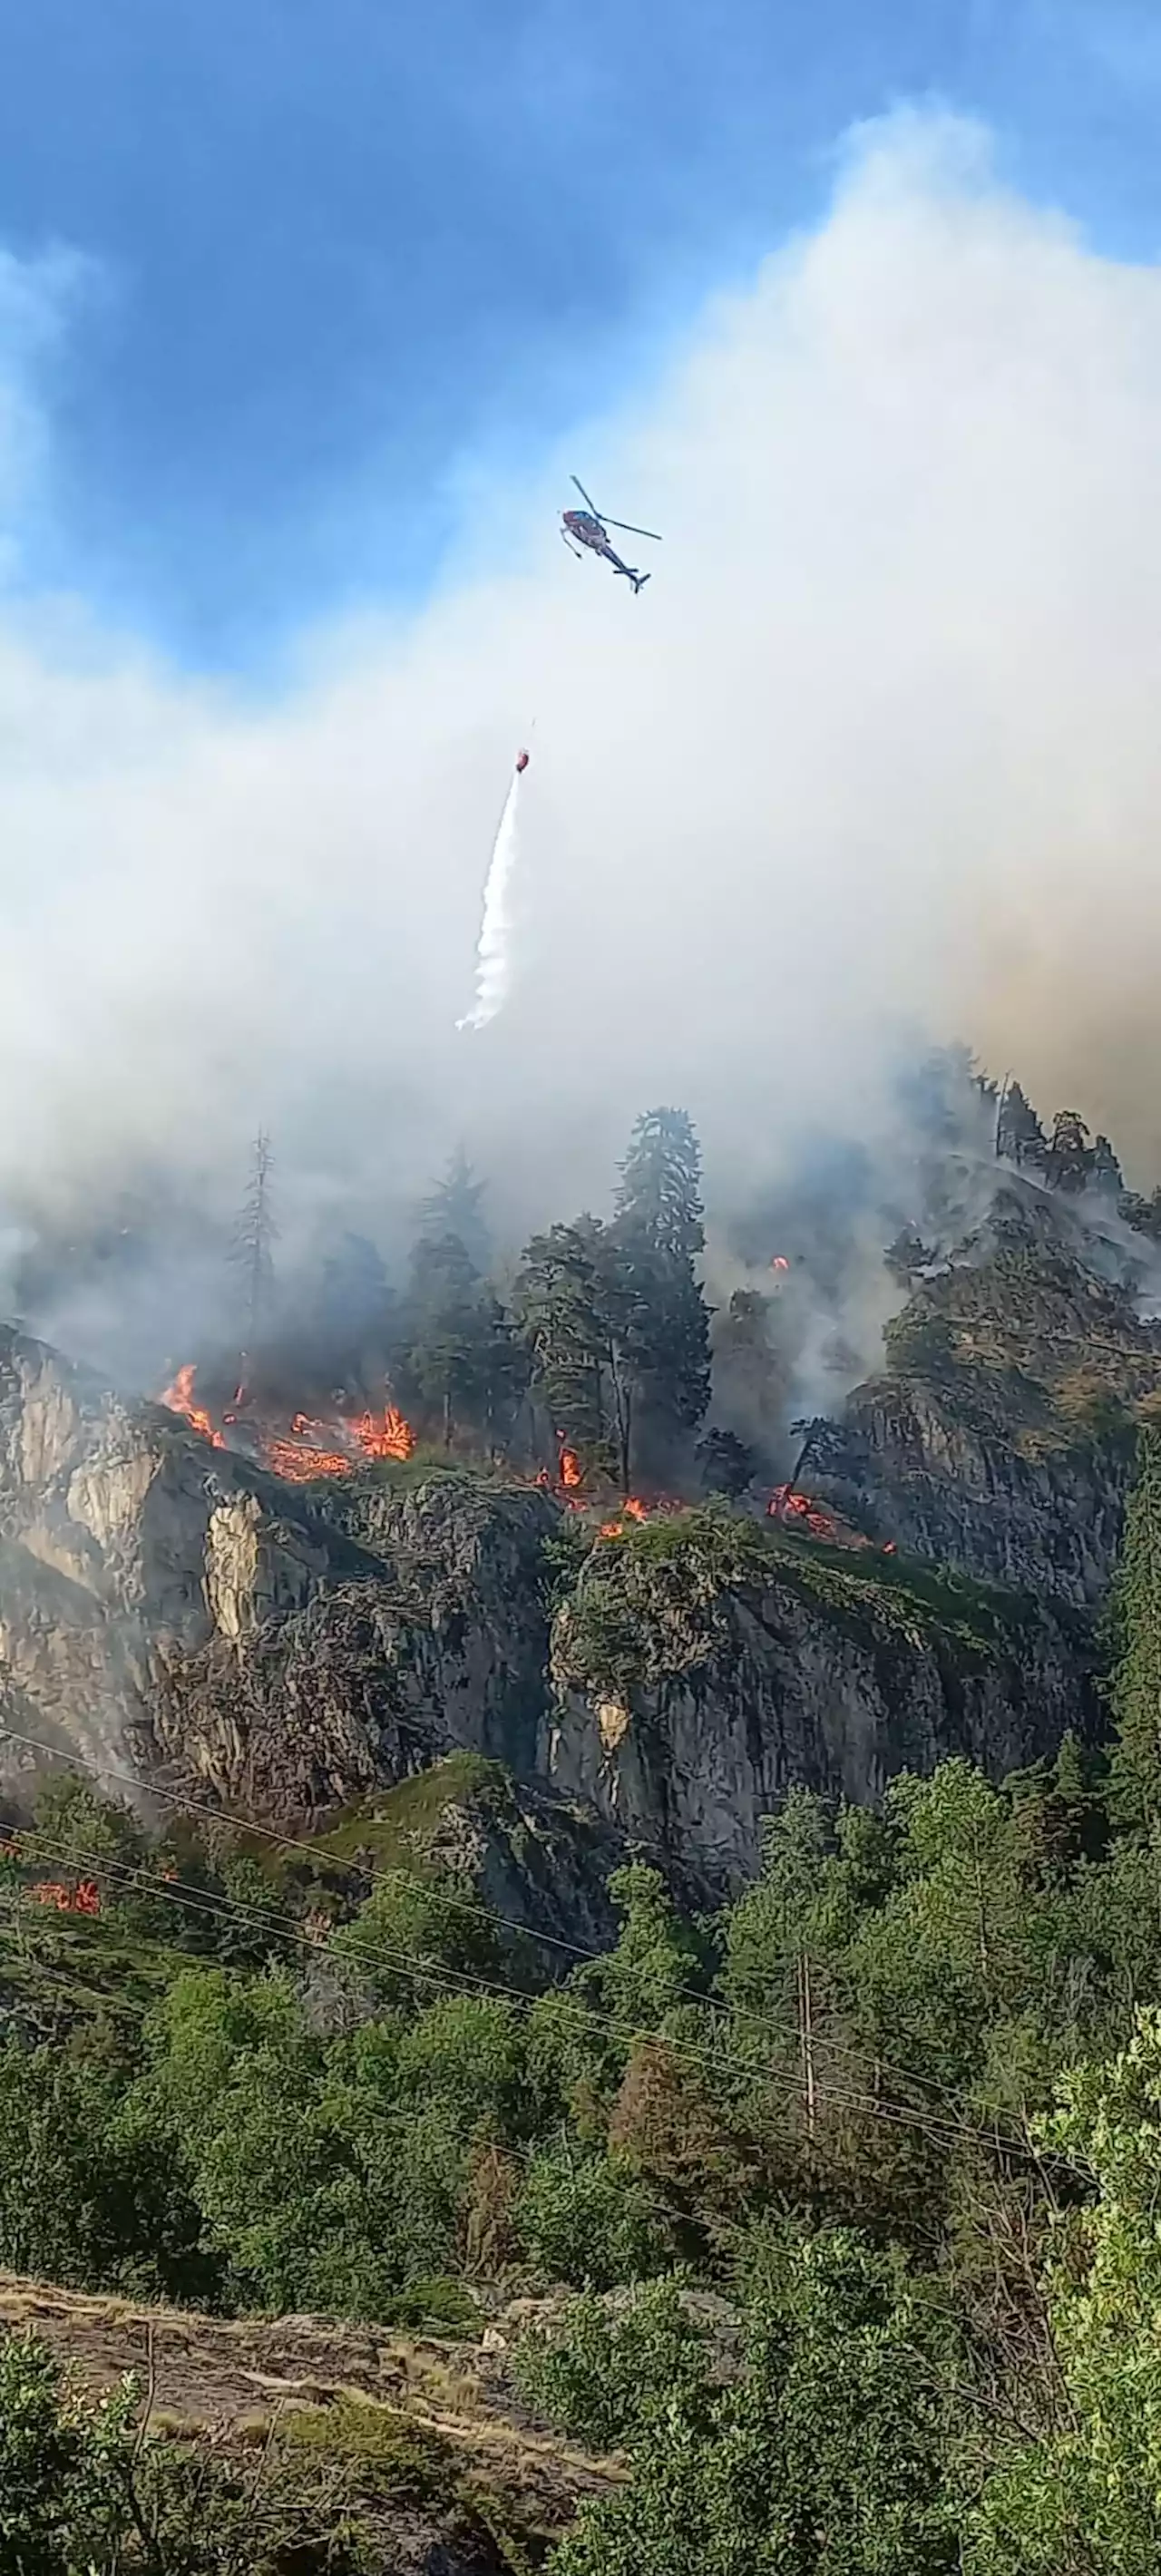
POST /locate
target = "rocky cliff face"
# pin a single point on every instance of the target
(168, 1607)
(917, 1462)
(697, 1674)
(167, 1601)
(1000, 1439)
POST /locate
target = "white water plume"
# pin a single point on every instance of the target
(494, 953)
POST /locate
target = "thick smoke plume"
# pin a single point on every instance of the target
(875, 758)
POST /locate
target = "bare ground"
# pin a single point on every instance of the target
(234, 2378)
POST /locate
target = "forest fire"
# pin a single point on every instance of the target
(390, 1438)
(301, 1465)
(179, 1398)
(371, 1436)
(84, 1898)
(800, 1511)
(632, 1510)
(312, 1448)
(571, 1471)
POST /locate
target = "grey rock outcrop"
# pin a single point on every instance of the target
(909, 1463)
(690, 1696)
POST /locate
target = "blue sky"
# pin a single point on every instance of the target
(308, 264)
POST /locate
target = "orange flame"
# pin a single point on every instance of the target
(313, 1447)
(391, 1438)
(300, 1466)
(779, 1262)
(312, 1450)
(632, 1509)
(786, 1504)
(179, 1398)
(571, 1471)
(84, 1898)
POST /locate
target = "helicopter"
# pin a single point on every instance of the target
(587, 528)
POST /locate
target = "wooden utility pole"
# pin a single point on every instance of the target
(806, 2037)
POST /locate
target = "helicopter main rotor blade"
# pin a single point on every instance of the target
(573, 478)
(631, 531)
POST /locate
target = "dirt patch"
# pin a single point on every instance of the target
(232, 2377)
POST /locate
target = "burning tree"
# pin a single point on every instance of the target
(575, 1315)
(1143, 1214)
(613, 1317)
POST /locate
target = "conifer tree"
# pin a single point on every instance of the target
(454, 1207)
(1020, 1137)
(1136, 1631)
(659, 1197)
(1104, 1169)
(1070, 1157)
(578, 1316)
(660, 1233)
(452, 1320)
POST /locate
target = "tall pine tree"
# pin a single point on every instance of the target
(660, 1234)
(1069, 1155)
(659, 1198)
(449, 1325)
(1020, 1137)
(455, 1207)
(464, 1362)
(576, 1314)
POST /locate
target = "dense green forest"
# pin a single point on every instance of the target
(898, 2108)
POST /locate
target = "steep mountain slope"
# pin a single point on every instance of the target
(999, 1438)
(170, 1605)
(701, 1667)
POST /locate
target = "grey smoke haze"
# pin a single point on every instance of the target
(875, 757)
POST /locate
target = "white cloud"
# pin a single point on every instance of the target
(38, 299)
(878, 747)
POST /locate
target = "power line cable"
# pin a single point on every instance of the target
(399, 1876)
(472, 1984)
